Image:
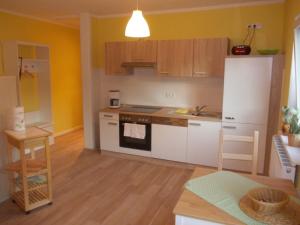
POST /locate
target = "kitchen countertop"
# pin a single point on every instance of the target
(191, 205)
(167, 112)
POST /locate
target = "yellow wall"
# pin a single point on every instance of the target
(292, 9)
(226, 22)
(64, 46)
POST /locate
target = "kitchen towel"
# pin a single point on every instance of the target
(133, 130)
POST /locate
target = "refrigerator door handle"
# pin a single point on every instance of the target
(195, 124)
(229, 127)
(229, 118)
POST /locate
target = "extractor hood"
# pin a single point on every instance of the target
(138, 64)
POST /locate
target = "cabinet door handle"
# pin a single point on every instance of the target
(113, 124)
(108, 116)
(229, 127)
(200, 74)
(229, 118)
(196, 75)
(164, 72)
(195, 124)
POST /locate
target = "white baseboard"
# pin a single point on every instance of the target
(67, 131)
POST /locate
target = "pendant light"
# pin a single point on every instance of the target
(137, 26)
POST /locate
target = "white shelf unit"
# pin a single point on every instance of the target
(41, 60)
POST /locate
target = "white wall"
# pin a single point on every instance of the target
(145, 88)
(88, 92)
(8, 100)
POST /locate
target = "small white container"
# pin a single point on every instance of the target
(18, 119)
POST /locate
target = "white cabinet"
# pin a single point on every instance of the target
(109, 131)
(184, 220)
(203, 142)
(244, 148)
(169, 142)
(247, 86)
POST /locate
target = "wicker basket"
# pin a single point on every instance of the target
(268, 201)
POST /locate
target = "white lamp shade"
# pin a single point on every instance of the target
(137, 26)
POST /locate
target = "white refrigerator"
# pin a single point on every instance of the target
(8, 100)
(247, 84)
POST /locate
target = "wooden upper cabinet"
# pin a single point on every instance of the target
(185, 58)
(209, 57)
(118, 53)
(175, 58)
(115, 55)
(141, 51)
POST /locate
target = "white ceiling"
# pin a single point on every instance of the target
(67, 11)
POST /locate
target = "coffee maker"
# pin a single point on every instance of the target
(114, 99)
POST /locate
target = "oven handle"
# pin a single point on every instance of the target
(122, 123)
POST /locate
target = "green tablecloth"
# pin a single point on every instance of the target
(224, 190)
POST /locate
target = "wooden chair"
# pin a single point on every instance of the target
(245, 157)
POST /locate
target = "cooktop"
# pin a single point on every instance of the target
(140, 109)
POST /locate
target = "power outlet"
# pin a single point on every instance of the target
(257, 26)
(169, 94)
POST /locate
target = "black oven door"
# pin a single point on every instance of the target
(135, 143)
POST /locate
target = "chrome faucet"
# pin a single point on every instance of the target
(199, 109)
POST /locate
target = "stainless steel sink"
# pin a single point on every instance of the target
(199, 114)
(199, 111)
(207, 114)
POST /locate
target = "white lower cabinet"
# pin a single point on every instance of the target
(197, 143)
(203, 142)
(109, 134)
(184, 220)
(169, 142)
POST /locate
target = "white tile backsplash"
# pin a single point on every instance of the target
(145, 88)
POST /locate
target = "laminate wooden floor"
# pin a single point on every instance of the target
(111, 189)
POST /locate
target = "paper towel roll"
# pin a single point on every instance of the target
(18, 119)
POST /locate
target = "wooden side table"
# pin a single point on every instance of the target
(30, 177)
